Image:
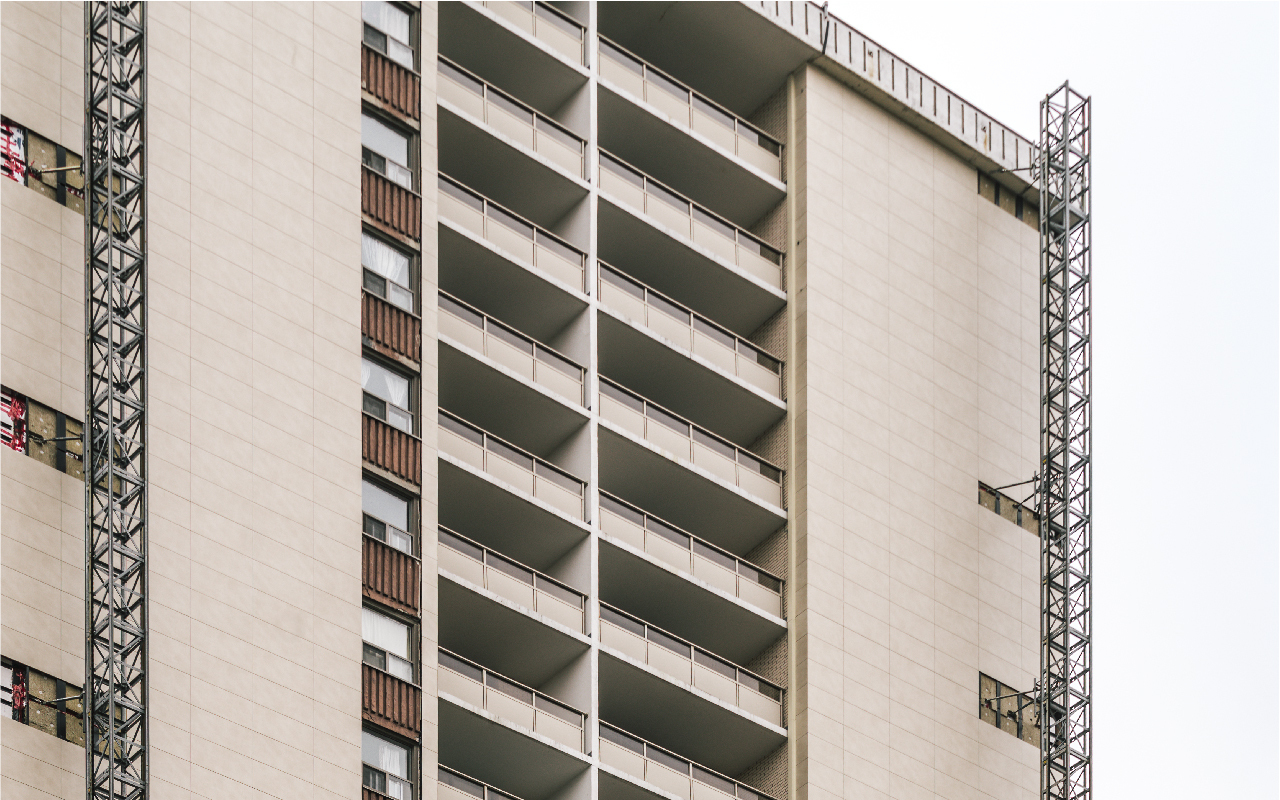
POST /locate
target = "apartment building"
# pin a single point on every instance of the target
(548, 401)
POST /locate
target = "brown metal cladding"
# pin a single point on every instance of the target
(391, 328)
(393, 450)
(392, 703)
(390, 206)
(391, 83)
(390, 576)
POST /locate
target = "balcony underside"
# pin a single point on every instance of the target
(509, 61)
(503, 756)
(676, 157)
(683, 607)
(702, 730)
(477, 627)
(478, 274)
(481, 393)
(509, 176)
(504, 520)
(644, 477)
(640, 361)
(683, 272)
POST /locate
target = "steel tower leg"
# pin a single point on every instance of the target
(115, 399)
(1065, 427)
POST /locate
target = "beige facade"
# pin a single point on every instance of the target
(888, 367)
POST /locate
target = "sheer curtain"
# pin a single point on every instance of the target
(383, 383)
(385, 632)
(384, 260)
(384, 755)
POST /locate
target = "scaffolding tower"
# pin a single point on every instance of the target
(115, 400)
(1065, 432)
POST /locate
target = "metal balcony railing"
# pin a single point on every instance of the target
(681, 214)
(690, 109)
(677, 658)
(647, 762)
(456, 786)
(527, 357)
(546, 24)
(512, 580)
(690, 330)
(508, 463)
(718, 456)
(513, 233)
(512, 118)
(684, 551)
(531, 709)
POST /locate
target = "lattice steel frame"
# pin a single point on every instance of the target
(1065, 447)
(115, 399)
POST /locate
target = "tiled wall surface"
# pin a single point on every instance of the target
(915, 374)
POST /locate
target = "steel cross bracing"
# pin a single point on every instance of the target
(1065, 507)
(116, 398)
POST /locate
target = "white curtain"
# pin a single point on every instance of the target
(386, 18)
(382, 382)
(384, 755)
(384, 505)
(384, 141)
(385, 632)
(384, 260)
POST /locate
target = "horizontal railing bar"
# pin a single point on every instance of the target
(525, 337)
(754, 128)
(487, 786)
(754, 347)
(679, 757)
(489, 87)
(691, 536)
(541, 230)
(530, 689)
(505, 443)
(702, 650)
(490, 550)
(709, 434)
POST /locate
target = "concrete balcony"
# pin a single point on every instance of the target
(628, 760)
(666, 690)
(505, 733)
(518, 504)
(686, 139)
(685, 361)
(688, 253)
(687, 585)
(518, 239)
(530, 50)
(453, 785)
(658, 460)
(539, 593)
(691, 665)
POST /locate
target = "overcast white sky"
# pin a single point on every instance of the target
(1187, 367)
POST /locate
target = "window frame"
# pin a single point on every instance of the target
(413, 520)
(412, 44)
(413, 400)
(412, 139)
(414, 271)
(412, 643)
(412, 767)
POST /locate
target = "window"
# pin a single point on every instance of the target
(386, 395)
(386, 517)
(386, 29)
(386, 272)
(386, 644)
(386, 767)
(386, 151)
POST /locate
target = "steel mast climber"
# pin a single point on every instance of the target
(115, 399)
(1065, 690)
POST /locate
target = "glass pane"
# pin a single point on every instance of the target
(714, 222)
(375, 284)
(401, 297)
(511, 107)
(626, 512)
(458, 193)
(375, 38)
(461, 545)
(461, 428)
(458, 76)
(386, 18)
(756, 576)
(559, 478)
(713, 112)
(756, 465)
(558, 247)
(508, 568)
(668, 85)
(714, 333)
(714, 664)
(384, 141)
(622, 621)
(386, 756)
(670, 198)
(561, 363)
(669, 308)
(559, 592)
(463, 784)
(668, 532)
(620, 738)
(620, 169)
(626, 398)
(674, 423)
(381, 382)
(760, 357)
(711, 779)
(552, 707)
(383, 505)
(462, 312)
(560, 22)
(669, 642)
(715, 556)
(712, 443)
(508, 688)
(511, 221)
(667, 760)
(765, 251)
(622, 282)
(510, 454)
(558, 133)
(374, 657)
(614, 54)
(383, 631)
(512, 338)
(400, 668)
(459, 666)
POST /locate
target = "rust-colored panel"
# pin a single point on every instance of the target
(390, 576)
(391, 83)
(393, 450)
(390, 206)
(391, 702)
(391, 328)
